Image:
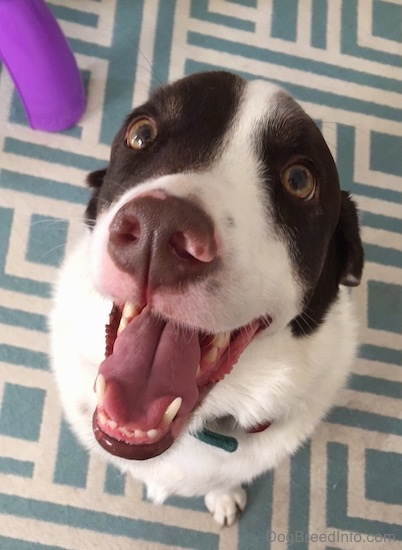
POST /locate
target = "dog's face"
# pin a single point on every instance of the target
(219, 216)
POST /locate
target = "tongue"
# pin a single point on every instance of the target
(153, 362)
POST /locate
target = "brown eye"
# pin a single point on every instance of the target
(141, 133)
(299, 181)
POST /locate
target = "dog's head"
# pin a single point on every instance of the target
(219, 216)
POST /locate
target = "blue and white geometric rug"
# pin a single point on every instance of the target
(342, 59)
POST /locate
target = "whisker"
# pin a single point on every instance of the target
(50, 251)
(153, 71)
(301, 326)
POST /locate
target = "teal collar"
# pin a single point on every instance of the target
(226, 442)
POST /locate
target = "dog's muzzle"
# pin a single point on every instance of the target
(157, 371)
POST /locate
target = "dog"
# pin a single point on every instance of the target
(217, 251)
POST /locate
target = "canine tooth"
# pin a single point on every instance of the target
(123, 324)
(100, 388)
(221, 340)
(112, 424)
(130, 310)
(153, 434)
(170, 414)
(212, 355)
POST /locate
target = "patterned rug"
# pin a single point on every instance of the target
(342, 59)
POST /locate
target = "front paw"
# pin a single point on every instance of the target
(225, 506)
(156, 493)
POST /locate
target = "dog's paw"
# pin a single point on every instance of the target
(156, 493)
(225, 506)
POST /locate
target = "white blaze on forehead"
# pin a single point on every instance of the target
(258, 103)
(238, 170)
(239, 158)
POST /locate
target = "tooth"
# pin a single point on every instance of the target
(138, 434)
(153, 434)
(100, 388)
(126, 432)
(102, 418)
(212, 355)
(171, 412)
(221, 340)
(112, 424)
(123, 324)
(130, 310)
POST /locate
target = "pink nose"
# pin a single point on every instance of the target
(163, 241)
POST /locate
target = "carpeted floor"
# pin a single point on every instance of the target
(342, 59)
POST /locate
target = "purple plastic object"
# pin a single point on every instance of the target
(41, 64)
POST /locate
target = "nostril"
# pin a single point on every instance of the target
(191, 247)
(125, 231)
(178, 242)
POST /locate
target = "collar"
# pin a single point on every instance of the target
(226, 442)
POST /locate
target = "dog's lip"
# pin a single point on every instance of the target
(130, 451)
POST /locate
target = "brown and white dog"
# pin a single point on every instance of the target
(217, 247)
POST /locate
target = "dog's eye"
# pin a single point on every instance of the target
(299, 181)
(141, 133)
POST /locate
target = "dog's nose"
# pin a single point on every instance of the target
(163, 241)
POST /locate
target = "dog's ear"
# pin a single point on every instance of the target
(94, 182)
(350, 248)
(95, 179)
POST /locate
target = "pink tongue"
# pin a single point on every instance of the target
(153, 362)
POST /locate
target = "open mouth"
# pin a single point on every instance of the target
(154, 376)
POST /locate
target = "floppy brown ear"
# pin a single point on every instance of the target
(350, 248)
(94, 181)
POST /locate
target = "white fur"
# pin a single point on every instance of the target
(289, 381)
